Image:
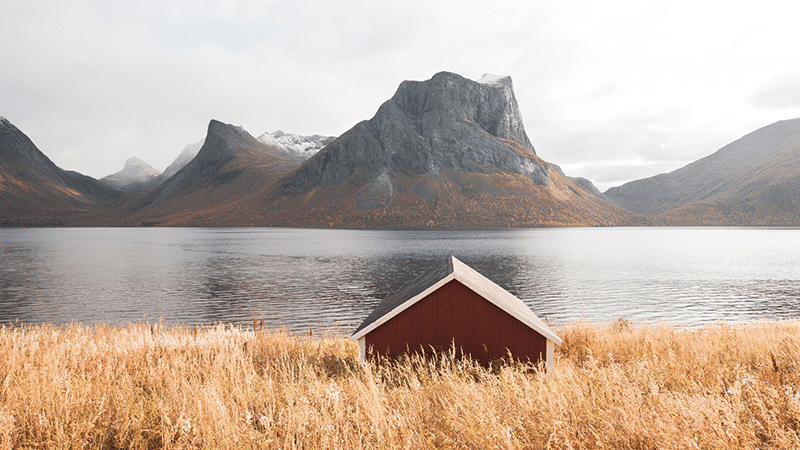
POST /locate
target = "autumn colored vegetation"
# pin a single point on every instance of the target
(617, 385)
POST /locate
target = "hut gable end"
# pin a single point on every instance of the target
(454, 304)
(456, 315)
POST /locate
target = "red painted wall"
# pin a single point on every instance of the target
(456, 313)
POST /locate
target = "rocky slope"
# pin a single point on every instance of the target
(754, 180)
(135, 176)
(34, 191)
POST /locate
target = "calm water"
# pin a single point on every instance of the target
(325, 279)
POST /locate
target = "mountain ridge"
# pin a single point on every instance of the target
(35, 191)
(754, 172)
(213, 189)
(446, 152)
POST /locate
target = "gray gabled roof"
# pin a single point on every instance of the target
(436, 278)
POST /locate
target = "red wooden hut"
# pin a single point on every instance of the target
(454, 304)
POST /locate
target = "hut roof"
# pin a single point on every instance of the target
(454, 269)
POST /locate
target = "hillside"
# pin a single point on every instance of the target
(216, 188)
(753, 181)
(34, 191)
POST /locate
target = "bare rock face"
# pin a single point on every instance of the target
(445, 123)
(136, 176)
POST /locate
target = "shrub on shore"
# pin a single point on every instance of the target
(618, 385)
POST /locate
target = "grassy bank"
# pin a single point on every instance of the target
(615, 386)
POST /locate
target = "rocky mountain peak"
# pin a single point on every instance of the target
(219, 130)
(221, 142)
(224, 142)
(227, 152)
(133, 177)
(445, 123)
(188, 153)
(217, 127)
(134, 163)
(490, 103)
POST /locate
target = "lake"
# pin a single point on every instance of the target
(304, 279)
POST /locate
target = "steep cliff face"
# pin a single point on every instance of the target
(447, 122)
(751, 181)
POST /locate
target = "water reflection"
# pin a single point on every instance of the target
(319, 279)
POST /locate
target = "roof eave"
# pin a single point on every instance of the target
(543, 330)
(402, 307)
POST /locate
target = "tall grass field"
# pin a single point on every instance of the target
(616, 385)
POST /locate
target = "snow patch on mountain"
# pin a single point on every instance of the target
(492, 80)
(301, 147)
(135, 172)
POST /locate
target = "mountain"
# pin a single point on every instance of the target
(218, 187)
(135, 176)
(753, 181)
(34, 191)
(446, 152)
(302, 147)
(188, 153)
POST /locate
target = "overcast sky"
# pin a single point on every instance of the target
(610, 91)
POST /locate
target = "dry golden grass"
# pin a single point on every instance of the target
(617, 385)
